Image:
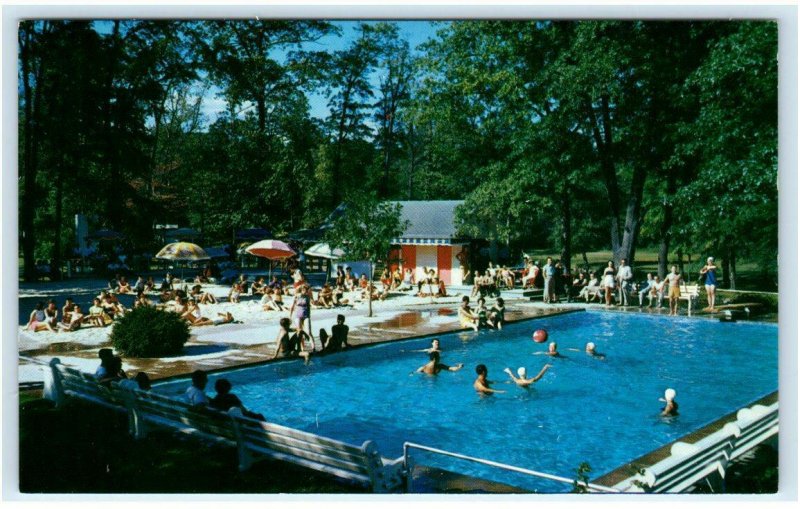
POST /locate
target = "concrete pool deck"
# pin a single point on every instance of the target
(252, 342)
(233, 345)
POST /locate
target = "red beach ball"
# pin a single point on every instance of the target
(540, 336)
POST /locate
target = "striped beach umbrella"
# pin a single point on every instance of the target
(271, 249)
(323, 250)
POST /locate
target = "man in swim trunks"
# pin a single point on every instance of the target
(674, 280)
(433, 367)
(481, 384)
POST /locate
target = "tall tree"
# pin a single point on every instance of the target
(365, 231)
(349, 99)
(396, 66)
(730, 208)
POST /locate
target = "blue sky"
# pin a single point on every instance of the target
(415, 32)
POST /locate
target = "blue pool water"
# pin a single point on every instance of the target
(604, 412)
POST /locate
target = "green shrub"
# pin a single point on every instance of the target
(150, 332)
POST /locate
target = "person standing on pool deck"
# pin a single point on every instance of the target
(671, 407)
(623, 277)
(549, 271)
(709, 270)
(522, 380)
(433, 367)
(302, 303)
(674, 280)
(481, 384)
(608, 281)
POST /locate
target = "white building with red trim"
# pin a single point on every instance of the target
(430, 240)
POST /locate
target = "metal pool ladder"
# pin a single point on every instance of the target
(407, 466)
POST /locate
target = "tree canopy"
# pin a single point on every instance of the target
(567, 135)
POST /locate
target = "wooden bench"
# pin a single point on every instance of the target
(254, 440)
(689, 293)
(360, 465)
(76, 384)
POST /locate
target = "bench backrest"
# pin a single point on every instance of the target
(757, 423)
(85, 386)
(690, 290)
(252, 437)
(690, 463)
(179, 415)
(321, 453)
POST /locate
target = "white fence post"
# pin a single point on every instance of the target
(53, 390)
(244, 454)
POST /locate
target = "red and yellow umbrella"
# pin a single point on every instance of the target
(182, 251)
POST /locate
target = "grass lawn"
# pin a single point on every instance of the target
(83, 448)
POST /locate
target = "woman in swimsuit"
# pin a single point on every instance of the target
(608, 281)
(38, 319)
(301, 311)
(465, 315)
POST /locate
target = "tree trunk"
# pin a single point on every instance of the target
(566, 228)
(261, 105)
(732, 261)
(726, 271)
(29, 199)
(633, 216)
(604, 142)
(369, 292)
(56, 255)
(585, 260)
(666, 227)
(679, 253)
(112, 139)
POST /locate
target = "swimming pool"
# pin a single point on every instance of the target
(604, 412)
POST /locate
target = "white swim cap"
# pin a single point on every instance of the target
(590, 346)
(552, 344)
(521, 372)
(669, 394)
(710, 259)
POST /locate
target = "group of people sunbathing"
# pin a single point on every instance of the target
(490, 282)
(45, 317)
(482, 317)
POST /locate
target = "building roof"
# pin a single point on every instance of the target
(434, 220)
(429, 222)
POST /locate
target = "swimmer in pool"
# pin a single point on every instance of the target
(481, 384)
(434, 347)
(591, 351)
(522, 380)
(671, 407)
(552, 351)
(433, 367)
